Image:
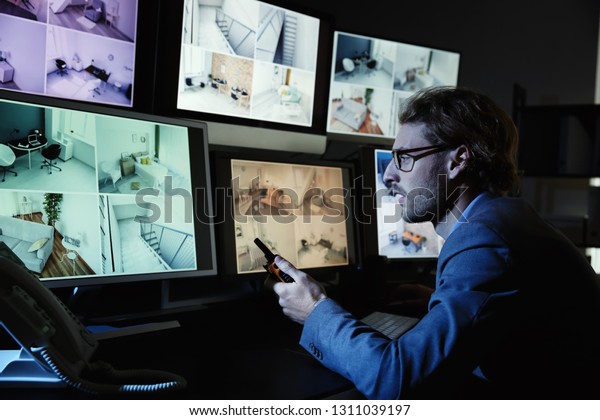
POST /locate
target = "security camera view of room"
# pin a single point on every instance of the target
(397, 238)
(370, 77)
(55, 234)
(76, 49)
(82, 193)
(360, 109)
(296, 210)
(248, 59)
(42, 149)
(146, 238)
(134, 155)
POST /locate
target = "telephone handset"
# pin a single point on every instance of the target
(47, 330)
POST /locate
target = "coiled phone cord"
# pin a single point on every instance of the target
(127, 381)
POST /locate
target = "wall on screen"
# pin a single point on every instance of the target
(244, 11)
(119, 135)
(236, 71)
(79, 218)
(306, 43)
(444, 67)
(21, 117)
(127, 15)
(27, 61)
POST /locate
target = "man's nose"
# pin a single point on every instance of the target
(391, 174)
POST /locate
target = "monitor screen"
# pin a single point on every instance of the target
(80, 50)
(90, 197)
(298, 210)
(246, 62)
(371, 77)
(387, 234)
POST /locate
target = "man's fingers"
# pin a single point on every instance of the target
(279, 287)
(282, 262)
(287, 267)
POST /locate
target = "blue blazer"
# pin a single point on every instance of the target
(516, 309)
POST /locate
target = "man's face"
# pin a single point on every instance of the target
(416, 190)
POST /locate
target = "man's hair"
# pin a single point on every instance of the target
(459, 116)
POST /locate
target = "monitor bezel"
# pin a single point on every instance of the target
(221, 164)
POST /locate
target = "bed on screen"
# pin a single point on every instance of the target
(151, 172)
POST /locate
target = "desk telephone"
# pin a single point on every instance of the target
(47, 330)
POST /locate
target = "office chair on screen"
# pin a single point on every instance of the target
(349, 67)
(371, 66)
(50, 154)
(61, 67)
(7, 159)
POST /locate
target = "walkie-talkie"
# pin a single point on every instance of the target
(270, 266)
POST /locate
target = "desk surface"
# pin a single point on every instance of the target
(24, 145)
(20, 150)
(223, 355)
(98, 72)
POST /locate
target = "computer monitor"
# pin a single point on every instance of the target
(299, 209)
(82, 50)
(108, 196)
(370, 79)
(245, 62)
(386, 233)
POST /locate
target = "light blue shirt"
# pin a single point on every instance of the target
(464, 218)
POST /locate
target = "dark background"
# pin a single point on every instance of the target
(548, 47)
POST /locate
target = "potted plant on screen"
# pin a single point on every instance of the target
(368, 94)
(51, 204)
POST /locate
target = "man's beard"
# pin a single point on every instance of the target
(424, 204)
(421, 205)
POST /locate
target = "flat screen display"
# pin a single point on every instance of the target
(81, 50)
(248, 59)
(397, 238)
(371, 77)
(93, 198)
(298, 211)
(300, 208)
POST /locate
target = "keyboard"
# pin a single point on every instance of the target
(390, 325)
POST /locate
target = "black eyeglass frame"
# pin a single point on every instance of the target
(430, 150)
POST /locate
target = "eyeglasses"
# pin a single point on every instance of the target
(405, 160)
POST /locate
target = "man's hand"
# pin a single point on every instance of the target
(297, 299)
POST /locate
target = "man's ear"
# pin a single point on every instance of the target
(458, 161)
